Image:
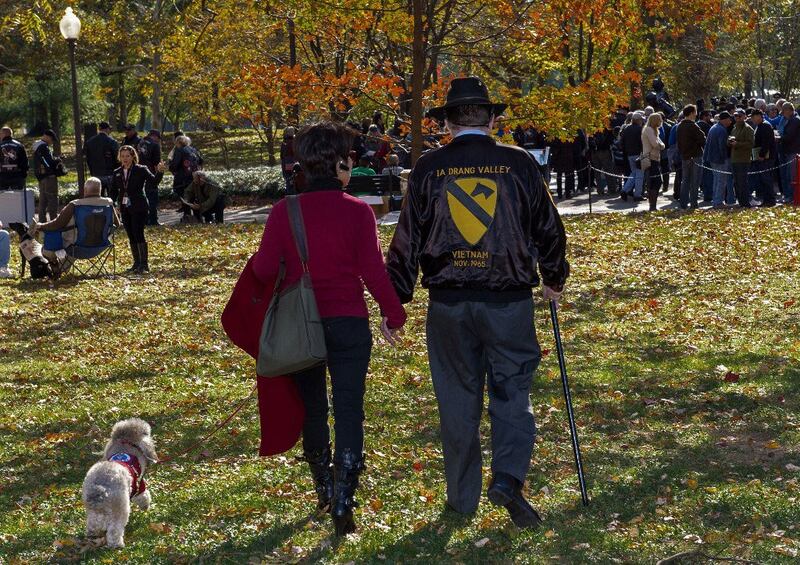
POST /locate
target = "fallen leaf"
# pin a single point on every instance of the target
(731, 377)
(481, 542)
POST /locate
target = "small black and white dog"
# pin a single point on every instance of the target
(30, 251)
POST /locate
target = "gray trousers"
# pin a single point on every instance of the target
(48, 198)
(468, 342)
(690, 181)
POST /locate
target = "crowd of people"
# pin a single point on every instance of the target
(728, 155)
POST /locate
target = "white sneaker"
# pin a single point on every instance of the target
(754, 202)
(5, 273)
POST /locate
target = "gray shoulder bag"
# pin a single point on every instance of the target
(292, 337)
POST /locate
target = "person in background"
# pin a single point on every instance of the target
(707, 179)
(790, 143)
(13, 161)
(128, 190)
(45, 167)
(101, 155)
(288, 159)
(149, 150)
(632, 146)
(717, 154)
(131, 136)
(392, 166)
(344, 256)
(651, 148)
(741, 143)
(363, 169)
(377, 119)
(5, 253)
(205, 198)
(764, 143)
(184, 162)
(690, 142)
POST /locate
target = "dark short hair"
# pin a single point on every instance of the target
(689, 109)
(470, 115)
(757, 112)
(706, 113)
(50, 133)
(177, 134)
(320, 147)
(103, 125)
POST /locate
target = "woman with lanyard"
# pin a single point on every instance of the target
(127, 187)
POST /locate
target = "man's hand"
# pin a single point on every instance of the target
(161, 167)
(550, 293)
(391, 335)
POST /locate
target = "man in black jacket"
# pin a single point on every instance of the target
(131, 136)
(45, 167)
(149, 150)
(765, 147)
(101, 155)
(13, 161)
(790, 142)
(632, 147)
(477, 219)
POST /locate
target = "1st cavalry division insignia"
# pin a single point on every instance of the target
(472, 203)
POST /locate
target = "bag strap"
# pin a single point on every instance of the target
(298, 229)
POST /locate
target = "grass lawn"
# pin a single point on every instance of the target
(682, 337)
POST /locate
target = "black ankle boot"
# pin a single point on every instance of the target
(347, 468)
(143, 259)
(136, 258)
(319, 462)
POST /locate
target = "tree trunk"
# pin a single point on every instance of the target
(155, 102)
(142, 116)
(418, 62)
(122, 102)
(271, 138)
(294, 109)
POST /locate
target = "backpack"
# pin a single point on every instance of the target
(191, 160)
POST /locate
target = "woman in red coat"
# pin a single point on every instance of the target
(344, 257)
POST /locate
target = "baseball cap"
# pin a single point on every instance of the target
(724, 115)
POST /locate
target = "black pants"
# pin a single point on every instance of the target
(12, 184)
(349, 344)
(472, 347)
(652, 180)
(134, 222)
(214, 214)
(569, 179)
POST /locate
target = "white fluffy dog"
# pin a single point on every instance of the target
(113, 483)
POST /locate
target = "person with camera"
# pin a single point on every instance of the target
(128, 191)
(13, 161)
(47, 169)
(344, 256)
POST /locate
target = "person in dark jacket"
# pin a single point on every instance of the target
(764, 143)
(344, 256)
(603, 162)
(184, 161)
(288, 159)
(632, 147)
(101, 155)
(205, 198)
(149, 150)
(790, 143)
(691, 140)
(13, 161)
(562, 161)
(131, 136)
(128, 191)
(45, 167)
(477, 219)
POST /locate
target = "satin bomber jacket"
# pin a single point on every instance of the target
(477, 216)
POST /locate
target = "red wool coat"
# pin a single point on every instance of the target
(280, 407)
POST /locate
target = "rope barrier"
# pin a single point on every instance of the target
(699, 165)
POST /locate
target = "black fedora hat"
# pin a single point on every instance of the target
(464, 91)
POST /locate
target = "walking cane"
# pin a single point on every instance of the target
(576, 449)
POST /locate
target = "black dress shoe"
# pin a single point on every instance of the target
(505, 491)
(623, 195)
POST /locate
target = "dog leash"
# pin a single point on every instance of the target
(217, 428)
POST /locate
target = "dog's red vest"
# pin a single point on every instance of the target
(131, 463)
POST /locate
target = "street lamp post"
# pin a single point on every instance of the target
(70, 27)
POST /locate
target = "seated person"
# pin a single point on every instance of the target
(5, 253)
(363, 169)
(205, 198)
(392, 166)
(65, 219)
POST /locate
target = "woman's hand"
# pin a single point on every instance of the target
(391, 335)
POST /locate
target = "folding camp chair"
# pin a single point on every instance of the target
(94, 248)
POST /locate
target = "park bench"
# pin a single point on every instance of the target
(382, 192)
